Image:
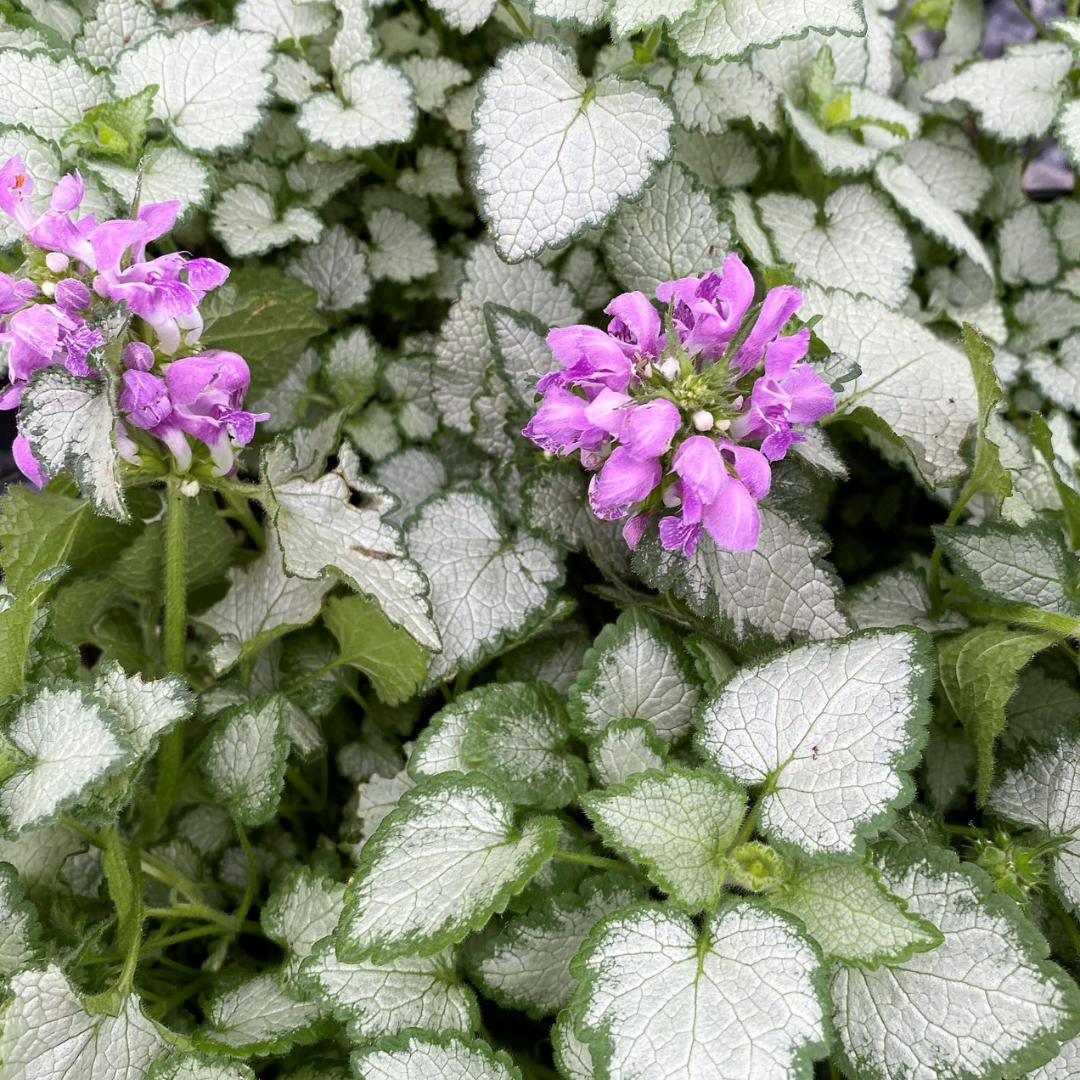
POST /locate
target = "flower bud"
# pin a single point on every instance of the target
(48, 289)
(72, 295)
(138, 356)
(702, 420)
(669, 368)
(189, 488)
(57, 262)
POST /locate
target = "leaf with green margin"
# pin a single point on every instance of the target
(636, 669)
(250, 1015)
(515, 734)
(37, 529)
(303, 910)
(70, 423)
(439, 866)
(61, 742)
(21, 938)
(625, 748)
(488, 586)
(1027, 566)
(190, 1066)
(916, 1020)
(526, 964)
(385, 653)
(680, 823)
(978, 673)
(422, 1056)
(378, 1000)
(244, 758)
(832, 730)
(50, 1033)
(660, 997)
(263, 603)
(852, 916)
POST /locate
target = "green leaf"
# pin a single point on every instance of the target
(978, 674)
(116, 128)
(439, 866)
(385, 653)
(264, 315)
(987, 473)
(122, 891)
(16, 626)
(1043, 441)
(852, 916)
(680, 823)
(244, 758)
(37, 529)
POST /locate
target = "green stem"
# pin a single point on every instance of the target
(1030, 16)
(304, 788)
(937, 601)
(601, 863)
(519, 22)
(308, 679)
(171, 756)
(194, 911)
(747, 829)
(252, 873)
(240, 510)
(379, 167)
(648, 50)
(175, 586)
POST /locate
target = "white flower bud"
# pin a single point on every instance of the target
(702, 420)
(669, 368)
(723, 425)
(48, 289)
(671, 499)
(189, 488)
(57, 261)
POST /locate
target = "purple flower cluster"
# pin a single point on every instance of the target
(169, 388)
(684, 423)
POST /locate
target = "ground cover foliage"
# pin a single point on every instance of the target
(385, 757)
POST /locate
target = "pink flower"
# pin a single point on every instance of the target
(205, 393)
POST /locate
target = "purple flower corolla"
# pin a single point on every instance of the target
(199, 396)
(666, 422)
(707, 312)
(633, 469)
(43, 322)
(788, 393)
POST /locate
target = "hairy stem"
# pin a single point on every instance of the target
(171, 756)
(519, 22)
(601, 863)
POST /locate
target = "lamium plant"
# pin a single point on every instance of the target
(539, 540)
